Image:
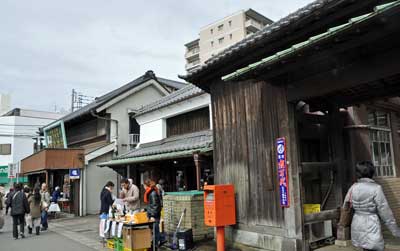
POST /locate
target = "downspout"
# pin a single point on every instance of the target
(107, 119)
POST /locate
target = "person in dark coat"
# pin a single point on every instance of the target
(7, 198)
(153, 200)
(56, 195)
(106, 201)
(106, 198)
(19, 207)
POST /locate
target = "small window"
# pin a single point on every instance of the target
(220, 27)
(381, 143)
(230, 36)
(221, 40)
(212, 43)
(230, 23)
(212, 31)
(5, 149)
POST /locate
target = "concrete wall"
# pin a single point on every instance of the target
(237, 29)
(194, 216)
(119, 111)
(95, 179)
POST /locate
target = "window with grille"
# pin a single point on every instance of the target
(381, 143)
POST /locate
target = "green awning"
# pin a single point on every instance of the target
(155, 157)
(330, 33)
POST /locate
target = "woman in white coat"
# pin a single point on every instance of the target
(370, 207)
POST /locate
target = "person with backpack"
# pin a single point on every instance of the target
(19, 207)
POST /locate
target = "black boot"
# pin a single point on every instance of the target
(37, 230)
(29, 230)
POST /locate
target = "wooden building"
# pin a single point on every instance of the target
(326, 79)
(103, 129)
(175, 142)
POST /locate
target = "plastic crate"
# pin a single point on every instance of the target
(110, 244)
(142, 249)
(118, 244)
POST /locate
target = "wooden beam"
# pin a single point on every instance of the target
(197, 163)
(364, 70)
(322, 216)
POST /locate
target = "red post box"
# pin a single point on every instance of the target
(219, 210)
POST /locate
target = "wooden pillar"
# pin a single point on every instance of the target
(128, 171)
(197, 163)
(336, 133)
(47, 178)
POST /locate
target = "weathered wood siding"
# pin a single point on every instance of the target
(194, 121)
(246, 117)
(391, 188)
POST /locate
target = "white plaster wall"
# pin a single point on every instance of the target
(153, 124)
(119, 111)
(152, 131)
(95, 179)
(20, 137)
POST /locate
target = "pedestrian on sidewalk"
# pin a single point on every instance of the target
(130, 195)
(19, 207)
(35, 205)
(10, 192)
(370, 207)
(106, 201)
(153, 201)
(45, 197)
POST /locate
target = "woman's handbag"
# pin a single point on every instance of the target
(346, 212)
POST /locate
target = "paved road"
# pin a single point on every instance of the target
(47, 241)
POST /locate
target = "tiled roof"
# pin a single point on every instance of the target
(312, 41)
(182, 145)
(262, 36)
(109, 96)
(186, 92)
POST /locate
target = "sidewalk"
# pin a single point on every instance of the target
(84, 230)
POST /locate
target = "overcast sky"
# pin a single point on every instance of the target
(48, 47)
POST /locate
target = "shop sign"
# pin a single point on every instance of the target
(282, 172)
(4, 171)
(12, 170)
(74, 174)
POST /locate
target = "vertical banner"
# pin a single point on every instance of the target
(282, 172)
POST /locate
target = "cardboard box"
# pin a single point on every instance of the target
(140, 218)
(136, 238)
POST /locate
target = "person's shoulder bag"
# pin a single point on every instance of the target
(347, 212)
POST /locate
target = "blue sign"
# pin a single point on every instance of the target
(282, 172)
(74, 173)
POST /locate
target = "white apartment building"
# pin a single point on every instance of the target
(221, 34)
(18, 130)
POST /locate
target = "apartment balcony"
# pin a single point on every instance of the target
(134, 139)
(192, 65)
(192, 54)
(253, 25)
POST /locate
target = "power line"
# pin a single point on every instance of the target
(22, 125)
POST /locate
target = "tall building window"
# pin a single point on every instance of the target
(230, 36)
(381, 143)
(212, 31)
(220, 27)
(5, 149)
(212, 43)
(221, 40)
(230, 23)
